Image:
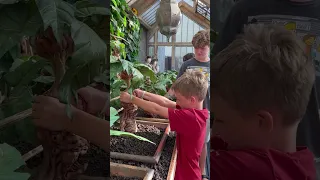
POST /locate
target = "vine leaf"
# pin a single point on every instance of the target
(11, 160)
(17, 20)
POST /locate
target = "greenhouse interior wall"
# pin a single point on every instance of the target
(143, 44)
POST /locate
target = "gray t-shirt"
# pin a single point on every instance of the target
(197, 65)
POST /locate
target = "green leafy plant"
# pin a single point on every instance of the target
(162, 83)
(27, 70)
(113, 118)
(125, 31)
(10, 161)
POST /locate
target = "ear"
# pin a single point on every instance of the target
(265, 120)
(193, 99)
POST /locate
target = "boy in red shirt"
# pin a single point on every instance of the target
(261, 85)
(186, 116)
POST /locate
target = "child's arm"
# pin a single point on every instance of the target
(180, 120)
(91, 128)
(148, 106)
(49, 113)
(161, 100)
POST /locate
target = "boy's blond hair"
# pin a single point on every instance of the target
(264, 68)
(192, 83)
(201, 39)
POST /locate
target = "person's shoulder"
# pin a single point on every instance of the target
(242, 164)
(189, 62)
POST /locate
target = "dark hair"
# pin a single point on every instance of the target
(153, 60)
(147, 58)
(188, 56)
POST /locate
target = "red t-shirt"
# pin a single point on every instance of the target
(190, 127)
(259, 164)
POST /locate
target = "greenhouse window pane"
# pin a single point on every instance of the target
(164, 57)
(179, 53)
(152, 39)
(190, 2)
(151, 51)
(163, 38)
(188, 28)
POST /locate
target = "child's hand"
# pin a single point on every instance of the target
(49, 113)
(94, 99)
(138, 92)
(125, 97)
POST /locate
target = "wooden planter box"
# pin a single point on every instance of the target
(146, 159)
(173, 163)
(145, 173)
(130, 171)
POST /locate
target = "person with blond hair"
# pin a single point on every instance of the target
(261, 84)
(299, 16)
(187, 118)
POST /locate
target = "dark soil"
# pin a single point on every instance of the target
(99, 162)
(125, 178)
(135, 146)
(162, 168)
(142, 113)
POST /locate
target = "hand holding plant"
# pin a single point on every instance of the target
(93, 100)
(49, 113)
(125, 97)
(138, 92)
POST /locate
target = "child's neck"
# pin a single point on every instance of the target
(285, 139)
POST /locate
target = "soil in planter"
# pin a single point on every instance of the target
(134, 146)
(162, 168)
(99, 162)
(142, 113)
(125, 178)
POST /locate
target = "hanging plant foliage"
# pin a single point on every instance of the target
(124, 30)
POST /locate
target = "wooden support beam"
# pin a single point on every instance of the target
(146, 25)
(195, 3)
(142, 5)
(151, 32)
(131, 2)
(187, 10)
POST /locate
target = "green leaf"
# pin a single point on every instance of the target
(9, 1)
(17, 20)
(121, 133)
(102, 78)
(113, 116)
(18, 61)
(48, 11)
(89, 46)
(26, 72)
(86, 8)
(11, 160)
(146, 71)
(44, 79)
